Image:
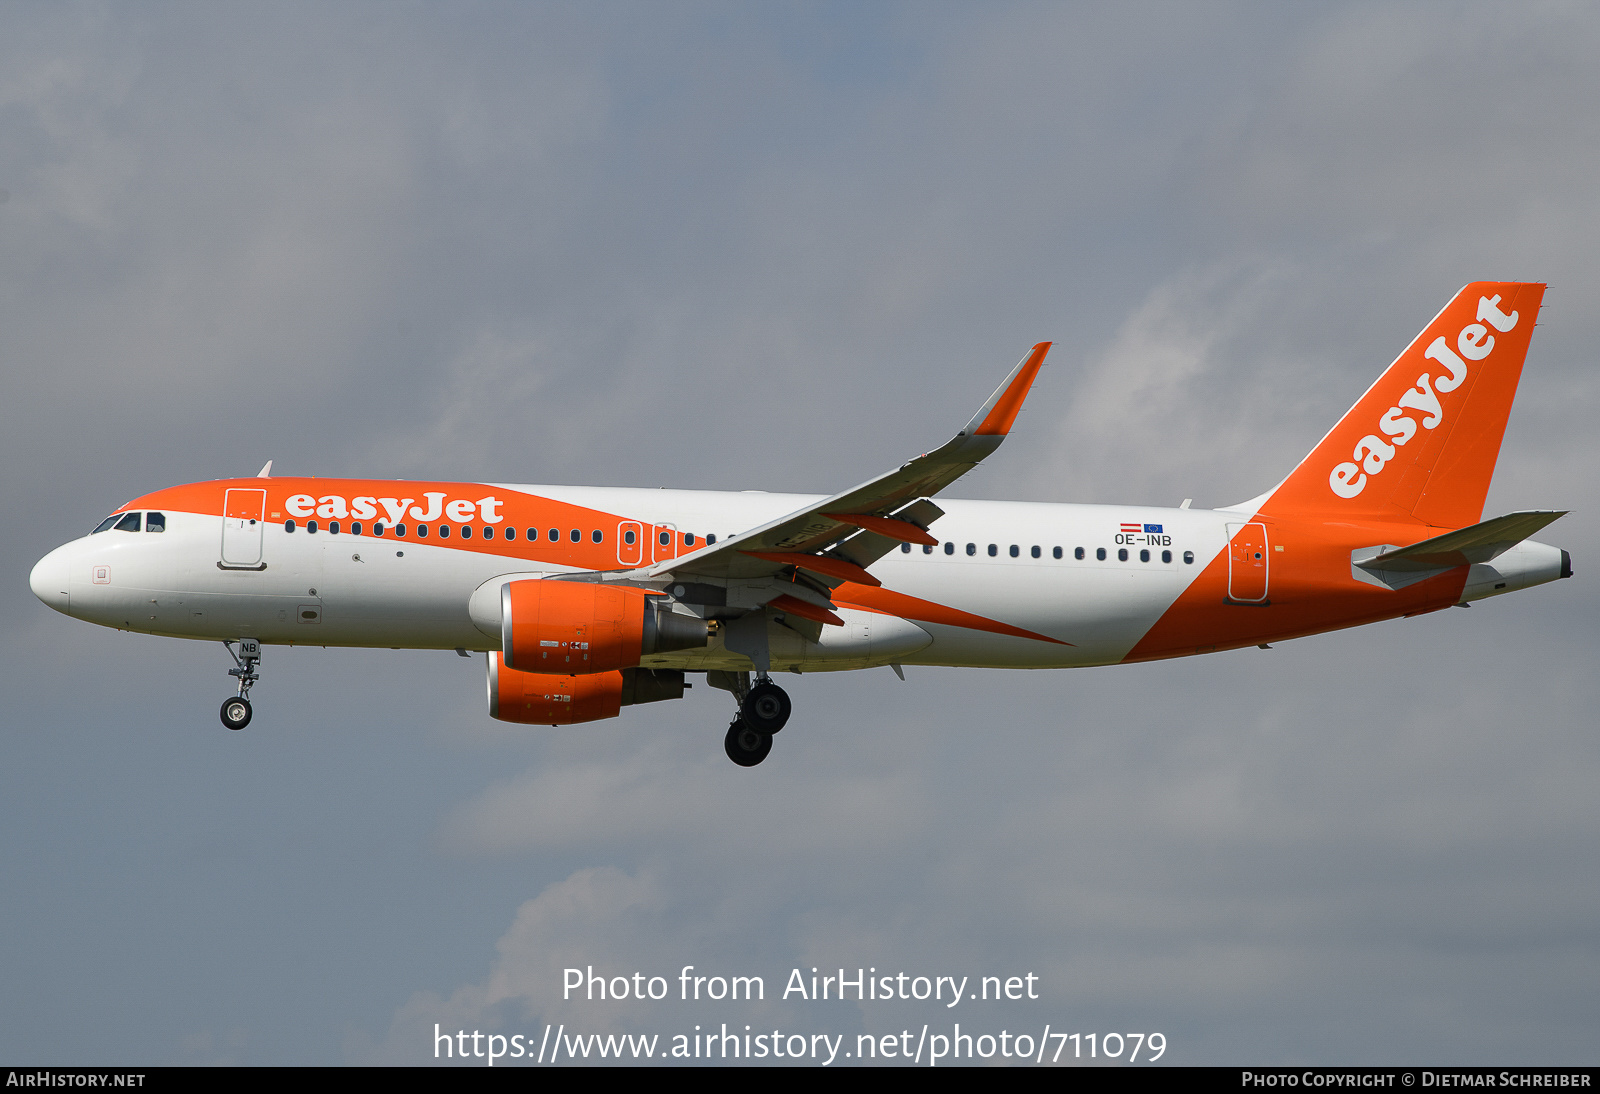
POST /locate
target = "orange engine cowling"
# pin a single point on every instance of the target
(548, 699)
(573, 627)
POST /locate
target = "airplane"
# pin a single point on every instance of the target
(584, 600)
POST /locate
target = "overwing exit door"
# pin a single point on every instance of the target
(664, 542)
(630, 543)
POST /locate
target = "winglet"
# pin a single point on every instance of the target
(266, 471)
(995, 416)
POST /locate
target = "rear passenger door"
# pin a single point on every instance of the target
(1247, 563)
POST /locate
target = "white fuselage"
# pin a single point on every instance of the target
(346, 590)
(1005, 587)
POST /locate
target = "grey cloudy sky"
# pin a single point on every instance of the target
(784, 247)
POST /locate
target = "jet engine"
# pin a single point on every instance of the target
(578, 628)
(548, 699)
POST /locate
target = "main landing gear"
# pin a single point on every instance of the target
(236, 712)
(763, 710)
(744, 745)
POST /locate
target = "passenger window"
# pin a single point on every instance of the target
(355, 528)
(1166, 556)
(627, 537)
(949, 548)
(972, 548)
(1100, 553)
(533, 535)
(1144, 556)
(157, 522)
(577, 536)
(927, 548)
(1122, 554)
(1016, 552)
(311, 526)
(107, 523)
(598, 536)
(466, 531)
(422, 531)
(1036, 552)
(688, 539)
(444, 531)
(1188, 557)
(993, 550)
(333, 527)
(128, 523)
(377, 529)
(511, 533)
(709, 539)
(555, 535)
(1077, 552)
(399, 529)
(288, 526)
(666, 539)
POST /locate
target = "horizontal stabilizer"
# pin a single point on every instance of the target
(1466, 546)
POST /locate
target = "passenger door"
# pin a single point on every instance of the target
(243, 522)
(1247, 563)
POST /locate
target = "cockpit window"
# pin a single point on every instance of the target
(128, 523)
(107, 523)
(155, 522)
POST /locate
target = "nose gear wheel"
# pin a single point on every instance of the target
(236, 712)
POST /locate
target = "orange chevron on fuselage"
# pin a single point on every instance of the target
(888, 602)
(475, 517)
(1309, 589)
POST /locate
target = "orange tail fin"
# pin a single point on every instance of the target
(1421, 444)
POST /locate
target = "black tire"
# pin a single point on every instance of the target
(766, 708)
(745, 746)
(236, 713)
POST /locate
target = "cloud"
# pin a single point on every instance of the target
(1170, 389)
(573, 923)
(679, 799)
(785, 249)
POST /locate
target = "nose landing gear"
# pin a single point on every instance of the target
(236, 712)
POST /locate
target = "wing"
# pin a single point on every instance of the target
(836, 539)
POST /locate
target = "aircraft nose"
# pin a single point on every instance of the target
(49, 579)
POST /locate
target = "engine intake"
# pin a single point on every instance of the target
(581, 627)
